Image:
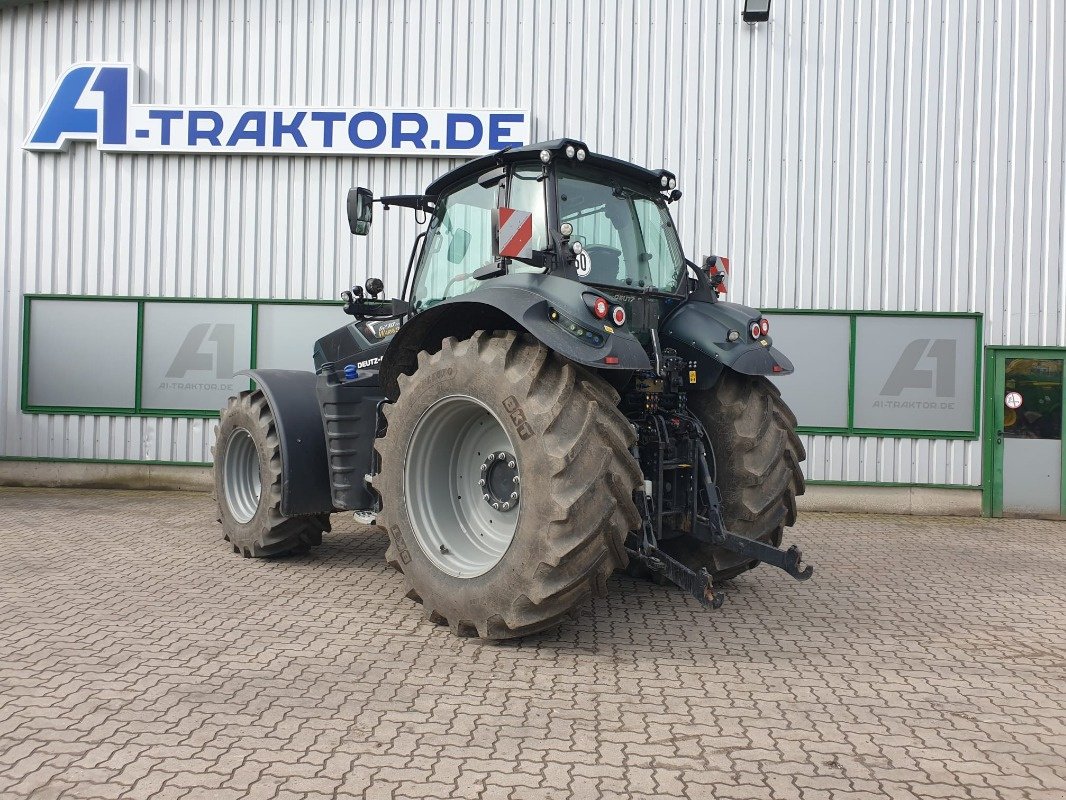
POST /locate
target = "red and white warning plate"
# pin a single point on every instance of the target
(515, 233)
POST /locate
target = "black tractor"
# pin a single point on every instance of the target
(559, 394)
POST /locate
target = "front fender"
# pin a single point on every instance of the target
(521, 301)
(304, 467)
(699, 332)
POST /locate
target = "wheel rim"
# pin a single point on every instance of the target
(240, 471)
(456, 485)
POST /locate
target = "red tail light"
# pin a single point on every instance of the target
(765, 325)
(756, 330)
(600, 307)
(610, 359)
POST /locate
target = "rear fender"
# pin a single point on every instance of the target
(521, 302)
(305, 485)
(699, 332)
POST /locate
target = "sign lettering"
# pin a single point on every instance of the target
(94, 103)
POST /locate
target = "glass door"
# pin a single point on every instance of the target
(1028, 464)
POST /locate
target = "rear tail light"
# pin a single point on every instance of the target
(756, 330)
(618, 316)
(610, 359)
(764, 324)
(600, 307)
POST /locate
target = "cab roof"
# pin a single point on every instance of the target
(531, 153)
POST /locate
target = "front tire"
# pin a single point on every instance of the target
(565, 444)
(247, 456)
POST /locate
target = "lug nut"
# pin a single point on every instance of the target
(511, 464)
(506, 506)
(496, 506)
(491, 458)
(514, 495)
(481, 482)
(516, 479)
(485, 497)
(484, 467)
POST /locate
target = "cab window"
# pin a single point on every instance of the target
(458, 242)
(527, 194)
(626, 231)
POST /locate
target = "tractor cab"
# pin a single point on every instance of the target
(550, 208)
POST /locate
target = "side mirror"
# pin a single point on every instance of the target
(360, 210)
(717, 269)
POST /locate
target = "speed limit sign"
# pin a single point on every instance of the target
(1013, 400)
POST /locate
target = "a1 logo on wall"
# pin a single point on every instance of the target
(193, 356)
(922, 361)
(94, 102)
(192, 353)
(915, 372)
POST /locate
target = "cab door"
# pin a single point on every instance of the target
(1025, 402)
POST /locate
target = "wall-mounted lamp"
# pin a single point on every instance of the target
(756, 11)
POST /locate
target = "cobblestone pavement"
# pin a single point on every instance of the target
(140, 658)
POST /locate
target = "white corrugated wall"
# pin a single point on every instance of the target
(873, 154)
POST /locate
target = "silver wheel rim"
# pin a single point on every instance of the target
(460, 523)
(240, 476)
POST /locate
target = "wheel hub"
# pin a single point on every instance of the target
(499, 481)
(240, 475)
(461, 478)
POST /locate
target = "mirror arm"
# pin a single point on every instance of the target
(493, 269)
(418, 202)
(704, 291)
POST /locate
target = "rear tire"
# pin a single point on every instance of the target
(757, 455)
(247, 456)
(570, 447)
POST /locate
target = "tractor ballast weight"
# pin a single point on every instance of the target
(582, 401)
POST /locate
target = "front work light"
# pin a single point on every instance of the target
(581, 155)
(545, 156)
(570, 152)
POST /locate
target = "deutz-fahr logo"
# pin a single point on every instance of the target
(94, 102)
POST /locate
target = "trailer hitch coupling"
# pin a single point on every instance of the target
(791, 560)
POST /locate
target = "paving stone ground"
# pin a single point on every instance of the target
(139, 657)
